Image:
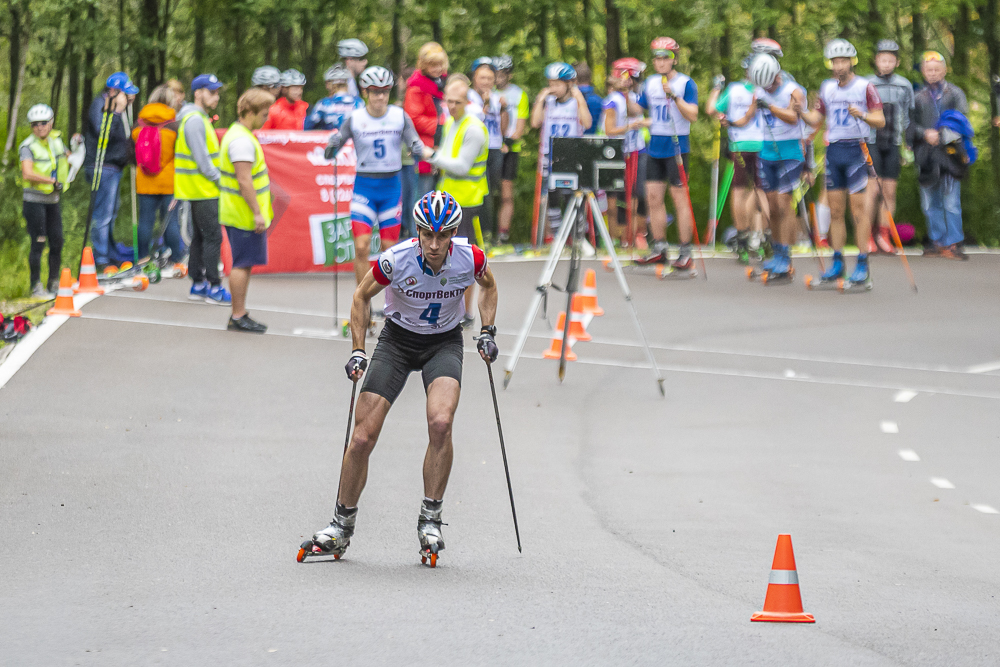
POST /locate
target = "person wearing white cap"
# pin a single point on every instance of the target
(353, 52)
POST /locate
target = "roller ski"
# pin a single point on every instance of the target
(779, 267)
(681, 269)
(128, 275)
(860, 280)
(429, 532)
(833, 279)
(332, 540)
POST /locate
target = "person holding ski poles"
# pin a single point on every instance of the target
(850, 106)
(109, 151)
(671, 98)
(427, 277)
(45, 171)
(196, 180)
(518, 112)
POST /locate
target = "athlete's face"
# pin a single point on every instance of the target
(885, 63)
(434, 246)
(293, 93)
(456, 97)
(841, 67)
(378, 100)
(483, 79)
(503, 78)
(663, 64)
(933, 70)
(559, 88)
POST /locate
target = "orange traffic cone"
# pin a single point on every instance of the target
(783, 603)
(577, 329)
(555, 351)
(589, 294)
(88, 275)
(64, 299)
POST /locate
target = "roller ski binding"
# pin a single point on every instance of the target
(429, 531)
(832, 279)
(743, 248)
(781, 269)
(860, 280)
(681, 269)
(332, 540)
(659, 256)
(763, 268)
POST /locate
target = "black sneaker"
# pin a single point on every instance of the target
(246, 325)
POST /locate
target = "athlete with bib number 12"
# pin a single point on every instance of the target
(425, 281)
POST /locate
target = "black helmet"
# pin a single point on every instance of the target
(887, 46)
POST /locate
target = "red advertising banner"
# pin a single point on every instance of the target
(311, 209)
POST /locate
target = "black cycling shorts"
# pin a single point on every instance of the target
(664, 169)
(509, 170)
(400, 352)
(886, 160)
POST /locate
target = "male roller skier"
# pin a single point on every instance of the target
(426, 279)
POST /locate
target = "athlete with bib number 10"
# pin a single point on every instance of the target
(426, 279)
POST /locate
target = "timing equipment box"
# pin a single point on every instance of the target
(587, 163)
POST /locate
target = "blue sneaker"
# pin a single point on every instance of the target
(768, 264)
(836, 269)
(199, 291)
(783, 263)
(860, 274)
(219, 295)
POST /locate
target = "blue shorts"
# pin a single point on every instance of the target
(376, 200)
(846, 168)
(249, 248)
(779, 175)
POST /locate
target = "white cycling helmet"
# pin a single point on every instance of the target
(337, 74)
(40, 113)
(352, 48)
(840, 48)
(376, 77)
(266, 76)
(437, 211)
(763, 70)
(293, 77)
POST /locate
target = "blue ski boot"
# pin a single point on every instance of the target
(860, 279)
(836, 269)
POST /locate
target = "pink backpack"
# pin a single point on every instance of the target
(147, 148)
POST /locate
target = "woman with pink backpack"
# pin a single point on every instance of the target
(154, 138)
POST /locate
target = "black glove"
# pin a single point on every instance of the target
(763, 105)
(356, 365)
(332, 146)
(487, 345)
(57, 186)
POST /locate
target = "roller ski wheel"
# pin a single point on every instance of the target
(110, 270)
(310, 548)
(152, 271)
(665, 272)
(848, 287)
(819, 284)
(125, 266)
(429, 556)
(429, 532)
(331, 541)
(777, 278)
(140, 283)
(179, 271)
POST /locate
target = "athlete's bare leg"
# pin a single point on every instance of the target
(506, 205)
(368, 419)
(442, 401)
(837, 200)
(875, 210)
(362, 245)
(655, 193)
(683, 209)
(862, 221)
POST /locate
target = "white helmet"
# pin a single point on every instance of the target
(352, 48)
(40, 113)
(840, 48)
(293, 77)
(375, 77)
(266, 76)
(337, 74)
(763, 70)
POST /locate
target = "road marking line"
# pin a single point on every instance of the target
(985, 509)
(942, 483)
(908, 455)
(905, 396)
(984, 368)
(889, 427)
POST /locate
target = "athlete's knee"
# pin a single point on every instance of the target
(362, 441)
(439, 427)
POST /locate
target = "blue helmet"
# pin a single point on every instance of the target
(559, 72)
(480, 62)
(437, 211)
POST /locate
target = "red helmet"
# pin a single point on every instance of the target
(623, 67)
(765, 45)
(664, 44)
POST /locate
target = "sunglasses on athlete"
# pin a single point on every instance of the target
(932, 56)
(39, 123)
(664, 54)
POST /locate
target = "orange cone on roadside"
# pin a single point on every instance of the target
(88, 275)
(64, 299)
(783, 602)
(589, 294)
(577, 329)
(555, 351)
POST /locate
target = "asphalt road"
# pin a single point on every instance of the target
(157, 474)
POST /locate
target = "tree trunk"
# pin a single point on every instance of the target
(961, 33)
(876, 24)
(725, 43)
(121, 36)
(21, 39)
(73, 93)
(14, 53)
(613, 32)
(588, 34)
(161, 52)
(306, 21)
(198, 10)
(284, 35)
(543, 31)
(397, 41)
(57, 80)
(560, 33)
(919, 41)
(88, 60)
(149, 31)
(989, 17)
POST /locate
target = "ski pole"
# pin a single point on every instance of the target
(336, 248)
(503, 451)
(687, 190)
(538, 200)
(347, 438)
(95, 181)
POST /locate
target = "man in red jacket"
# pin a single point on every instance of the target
(424, 103)
(289, 112)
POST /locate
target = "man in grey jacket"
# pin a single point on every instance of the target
(942, 200)
(885, 144)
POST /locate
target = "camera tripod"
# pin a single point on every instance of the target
(571, 230)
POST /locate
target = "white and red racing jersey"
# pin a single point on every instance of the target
(418, 299)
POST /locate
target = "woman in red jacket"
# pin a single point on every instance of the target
(289, 112)
(424, 103)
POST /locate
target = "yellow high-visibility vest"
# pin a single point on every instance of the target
(48, 156)
(189, 183)
(468, 190)
(233, 209)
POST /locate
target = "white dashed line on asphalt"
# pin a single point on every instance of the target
(904, 396)
(942, 483)
(984, 368)
(985, 509)
(908, 455)
(889, 427)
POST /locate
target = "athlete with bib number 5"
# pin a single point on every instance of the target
(426, 279)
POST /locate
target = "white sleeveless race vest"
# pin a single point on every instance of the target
(740, 100)
(420, 301)
(840, 124)
(634, 139)
(491, 118)
(512, 97)
(616, 101)
(561, 120)
(378, 141)
(666, 119)
(777, 129)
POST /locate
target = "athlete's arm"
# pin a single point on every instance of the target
(338, 139)
(361, 308)
(582, 110)
(688, 106)
(611, 122)
(791, 114)
(713, 97)
(813, 117)
(472, 145)
(504, 120)
(411, 139)
(749, 116)
(487, 297)
(538, 111)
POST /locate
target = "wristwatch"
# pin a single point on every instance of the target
(491, 330)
